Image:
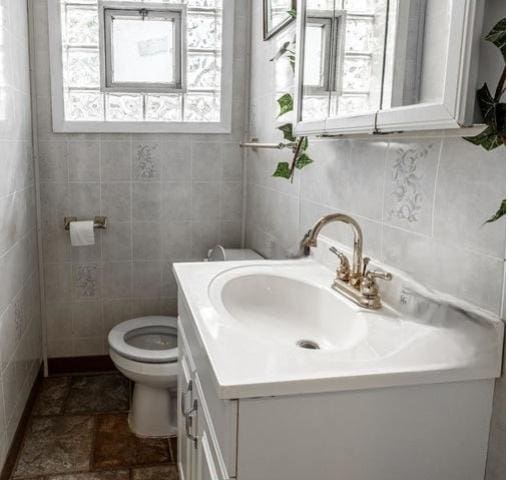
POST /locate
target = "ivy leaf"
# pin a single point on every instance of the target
(285, 103)
(489, 139)
(292, 13)
(287, 131)
(494, 112)
(500, 213)
(282, 170)
(487, 105)
(302, 161)
(305, 144)
(497, 36)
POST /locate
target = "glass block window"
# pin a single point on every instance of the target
(85, 101)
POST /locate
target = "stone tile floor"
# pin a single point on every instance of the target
(78, 431)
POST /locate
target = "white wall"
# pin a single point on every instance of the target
(189, 201)
(20, 324)
(421, 202)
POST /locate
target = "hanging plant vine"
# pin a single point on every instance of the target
(493, 110)
(299, 145)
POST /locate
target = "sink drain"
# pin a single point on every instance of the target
(308, 344)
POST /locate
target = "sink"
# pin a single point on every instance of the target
(288, 310)
(278, 328)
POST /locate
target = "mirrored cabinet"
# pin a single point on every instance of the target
(383, 66)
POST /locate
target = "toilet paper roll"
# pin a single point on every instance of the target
(82, 234)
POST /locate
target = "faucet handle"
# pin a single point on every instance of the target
(379, 274)
(344, 270)
(369, 287)
(366, 261)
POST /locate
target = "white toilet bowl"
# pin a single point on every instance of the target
(145, 351)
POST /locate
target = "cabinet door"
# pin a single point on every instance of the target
(206, 463)
(185, 419)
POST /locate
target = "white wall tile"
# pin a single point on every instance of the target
(470, 187)
(115, 160)
(116, 201)
(83, 161)
(20, 319)
(117, 242)
(146, 185)
(117, 279)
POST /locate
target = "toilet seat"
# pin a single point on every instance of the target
(139, 339)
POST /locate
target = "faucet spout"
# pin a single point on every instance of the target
(358, 284)
(310, 239)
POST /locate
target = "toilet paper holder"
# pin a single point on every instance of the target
(98, 222)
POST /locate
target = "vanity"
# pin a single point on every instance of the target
(298, 369)
(282, 377)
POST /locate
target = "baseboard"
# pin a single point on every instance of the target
(80, 365)
(10, 461)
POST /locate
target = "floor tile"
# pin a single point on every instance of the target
(116, 446)
(98, 394)
(51, 396)
(56, 445)
(165, 472)
(113, 475)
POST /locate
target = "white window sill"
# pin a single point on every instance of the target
(141, 127)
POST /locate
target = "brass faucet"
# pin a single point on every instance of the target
(356, 282)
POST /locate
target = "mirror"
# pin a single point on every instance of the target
(275, 16)
(372, 60)
(343, 54)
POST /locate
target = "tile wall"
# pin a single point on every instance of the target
(167, 198)
(421, 202)
(20, 321)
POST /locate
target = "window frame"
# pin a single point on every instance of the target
(61, 125)
(108, 11)
(333, 33)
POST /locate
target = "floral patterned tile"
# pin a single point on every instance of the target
(409, 195)
(86, 281)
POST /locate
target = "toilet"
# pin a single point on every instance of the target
(145, 351)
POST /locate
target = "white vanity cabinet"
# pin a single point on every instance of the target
(433, 431)
(207, 425)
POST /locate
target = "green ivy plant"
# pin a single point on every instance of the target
(493, 110)
(299, 145)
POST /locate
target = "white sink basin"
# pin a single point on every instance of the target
(255, 319)
(287, 310)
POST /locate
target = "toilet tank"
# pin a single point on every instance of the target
(221, 254)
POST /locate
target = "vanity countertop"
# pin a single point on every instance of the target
(378, 349)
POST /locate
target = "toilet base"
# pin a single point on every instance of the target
(153, 411)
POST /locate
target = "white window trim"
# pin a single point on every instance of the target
(334, 25)
(107, 11)
(61, 125)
